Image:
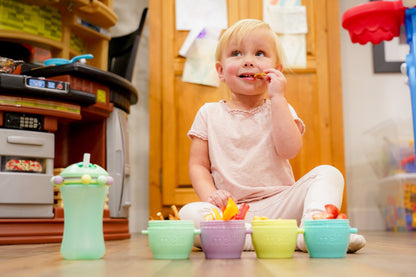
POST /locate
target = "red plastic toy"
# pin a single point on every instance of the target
(374, 21)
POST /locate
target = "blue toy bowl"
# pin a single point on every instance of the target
(327, 238)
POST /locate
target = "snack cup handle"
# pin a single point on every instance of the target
(301, 231)
(353, 230)
(197, 232)
(145, 232)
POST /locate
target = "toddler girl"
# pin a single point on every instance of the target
(241, 147)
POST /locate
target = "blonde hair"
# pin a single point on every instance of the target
(240, 29)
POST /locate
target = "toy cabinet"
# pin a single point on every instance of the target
(314, 92)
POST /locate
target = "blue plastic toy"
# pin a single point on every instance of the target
(60, 61)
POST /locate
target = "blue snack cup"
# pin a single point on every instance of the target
(327, 238)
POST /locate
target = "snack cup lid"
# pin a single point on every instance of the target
(326, 222)
(275, 222)
(221, 222)
(171, 223)
(83, 173)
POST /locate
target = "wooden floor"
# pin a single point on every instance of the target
(386, 254)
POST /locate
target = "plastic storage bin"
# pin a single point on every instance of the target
(397, 195)
(387, 144)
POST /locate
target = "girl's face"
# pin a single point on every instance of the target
(255, 53)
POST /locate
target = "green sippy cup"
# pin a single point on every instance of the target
(83, 187)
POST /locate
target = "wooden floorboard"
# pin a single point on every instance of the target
(386, 254)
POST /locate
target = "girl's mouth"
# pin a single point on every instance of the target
(246, 76)
(253, 75)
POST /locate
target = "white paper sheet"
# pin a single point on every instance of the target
(210, 32)
(288, 20)
(294, 47)
(191, 13)
(277, 3)
(200, 63)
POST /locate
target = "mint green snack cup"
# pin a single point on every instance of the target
(171, 239)
(83, 187)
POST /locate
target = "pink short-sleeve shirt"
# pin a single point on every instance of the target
(241, 151)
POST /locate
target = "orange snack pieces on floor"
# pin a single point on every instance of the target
(160, 215)
(172, 216)
(175, 212)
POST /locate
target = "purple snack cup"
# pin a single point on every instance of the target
(222, 239)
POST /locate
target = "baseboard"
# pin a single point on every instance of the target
(44, 230)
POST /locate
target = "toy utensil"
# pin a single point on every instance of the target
(60, 61)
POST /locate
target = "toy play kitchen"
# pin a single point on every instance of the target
(121, 93)
(49, 117)
(57, 101)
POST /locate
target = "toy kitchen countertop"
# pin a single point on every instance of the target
(121, 92)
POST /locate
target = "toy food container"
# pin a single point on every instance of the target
(171, 239)
(275, 238)
(83, 187)
(327, 238)
(223, 239)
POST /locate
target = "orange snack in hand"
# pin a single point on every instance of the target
(259, 75)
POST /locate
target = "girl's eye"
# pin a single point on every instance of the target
(235, 53)
(260, 53)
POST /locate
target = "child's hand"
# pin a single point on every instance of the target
(276, 82)
(219, 198)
